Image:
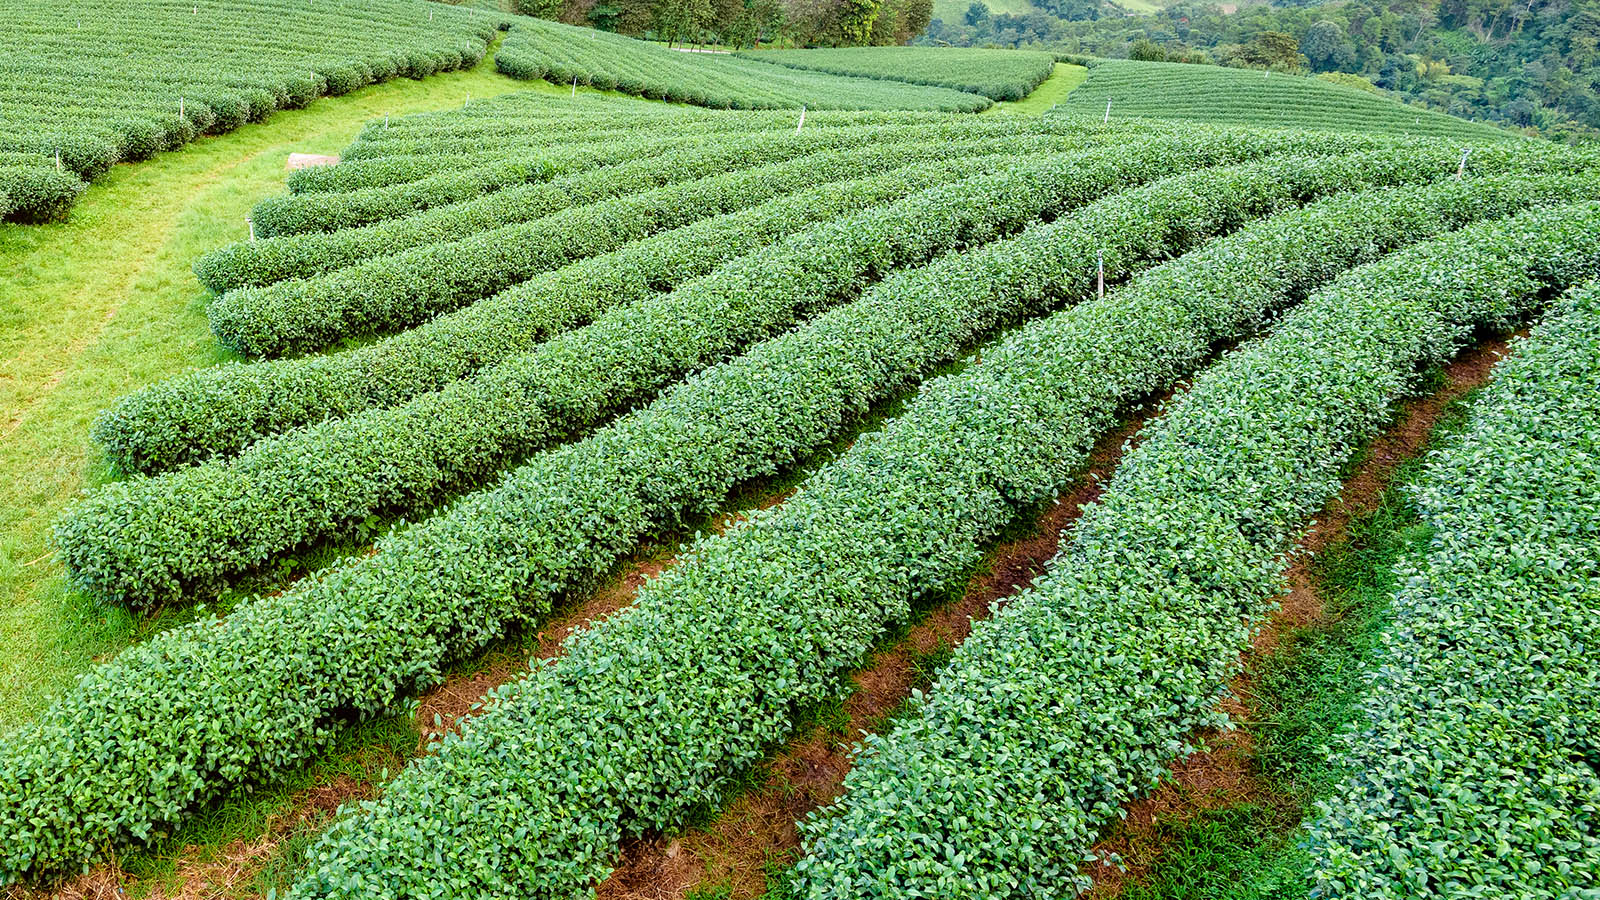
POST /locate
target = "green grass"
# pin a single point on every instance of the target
(1054, 90)
(105, 303)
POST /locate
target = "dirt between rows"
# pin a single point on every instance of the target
(758, 830)
(1225, 774)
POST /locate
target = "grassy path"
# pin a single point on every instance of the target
(104, 303)
(1053, 90)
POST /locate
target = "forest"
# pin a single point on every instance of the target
(1525, 63)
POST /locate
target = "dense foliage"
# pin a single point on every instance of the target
(996, 74)
(174, 721)
(148, 540)
(1486, 680)
(88, 83)
(1239, 97)
(745, 23)
(564, 54)
(221, 410)
(646, 714)
(1519, 64)
(1078, 695)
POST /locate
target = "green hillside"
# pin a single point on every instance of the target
(1247, 97)
(564, 54)
(996, 74)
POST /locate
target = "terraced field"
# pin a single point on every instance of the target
(502, 361)
(1247, 97)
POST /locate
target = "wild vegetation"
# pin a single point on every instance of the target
(1522, 65)
(505, 352)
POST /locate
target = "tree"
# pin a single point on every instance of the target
(1148, 50)
(1322, 45)
(977, 14)
(682, 20)
(1272, 50)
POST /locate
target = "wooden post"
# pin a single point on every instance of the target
(1108, 112)
(1100, 269)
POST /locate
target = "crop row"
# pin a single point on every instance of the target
(100, 82)
(1473, 770)
(146, 541)
(221, 410)
(174, 721)
(1237, 96)
(402, 162)
(306, 255)
(996, 74)
(719, 652)
(1079, 694)
(535, 49)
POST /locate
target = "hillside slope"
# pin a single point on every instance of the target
(88, 83)
(1247, 97)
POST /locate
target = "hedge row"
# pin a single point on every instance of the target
(996, 74)
(221, 410)
(395, 292)
(1222, 95)
(1474, 771)
(535, 49)
(1078, 695)
(296, 213)
(379, 157)
(147, 541)
(100, 83)
(717, 654)
(173, 722)
(35, 192)
(305, 255)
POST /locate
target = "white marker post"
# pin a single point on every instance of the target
(252, 225)
(385, 123)
(1461, 170)
(180, 107)
(58, 160)
(1100, 269)
(802, 122)
(469, 100)
(1108, 112)
(574, 87)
